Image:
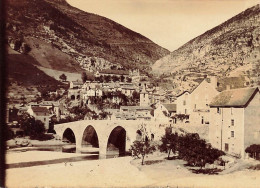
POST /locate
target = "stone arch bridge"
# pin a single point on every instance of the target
(101, 133)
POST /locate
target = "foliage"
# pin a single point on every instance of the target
(191, 148)
(115, 78)
(107, 78)
(181, 116)
(63, 77)
(8, 133)
(253, 150)
(103, 115)
(30, 126)
(142, 148)
(128, 79)
(136, 95)
(169, 143)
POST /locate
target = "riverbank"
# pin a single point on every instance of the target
(123, 172)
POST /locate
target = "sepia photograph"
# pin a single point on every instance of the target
(130, 93)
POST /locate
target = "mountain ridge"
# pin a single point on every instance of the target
(220, 51)
(84, 40)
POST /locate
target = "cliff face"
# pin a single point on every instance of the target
(64, 38)
(232, 48)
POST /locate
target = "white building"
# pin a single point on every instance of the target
(183, 103)
(235, 120)
(196, 103)
(164, 111)
(200, 99)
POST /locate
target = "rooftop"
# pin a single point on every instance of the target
(170, 107)
(234, 98)
(39, 109)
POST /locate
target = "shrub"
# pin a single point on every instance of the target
(142, 148)
(253, 151)
(30, 126)
(191, 148)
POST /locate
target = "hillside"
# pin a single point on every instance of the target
(21, 70)
(61, 37)
(230, 49)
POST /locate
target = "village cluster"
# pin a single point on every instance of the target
(225, 107)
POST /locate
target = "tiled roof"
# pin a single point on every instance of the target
(38, 109)
(183, 93)
(232, 82)
(170, 107)
(234, 98)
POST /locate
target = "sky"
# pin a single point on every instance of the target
(168, 23)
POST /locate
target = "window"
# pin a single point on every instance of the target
(184, 102)
(231, 110)
(232, 134)
(218, 110)
(185, 111)
(202, 120)
(232, 122)
(195, 105)
(44, 119)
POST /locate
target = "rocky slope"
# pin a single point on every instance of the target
(61, 37)
(230, 49)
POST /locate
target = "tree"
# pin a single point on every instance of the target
(84, 77)
(191, 148)
(142, 148)
(63, 77)
(253, 150)
(30, 126)
(122, 78)
(169, 143)
(107, 78)
(136, 95)
(115, 78)
(129, 79)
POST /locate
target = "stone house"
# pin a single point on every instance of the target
(235, 120)
(164, 111)
(196, 103)
(76, 84)
(54, 107)
(183, 103)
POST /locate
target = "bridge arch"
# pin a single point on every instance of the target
(117, 140)
(69, 135)
(90, 137)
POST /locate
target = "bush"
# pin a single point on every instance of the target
(192, 149)
(142, 148)
(8, 133)
(30, 126)
(253, 150)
